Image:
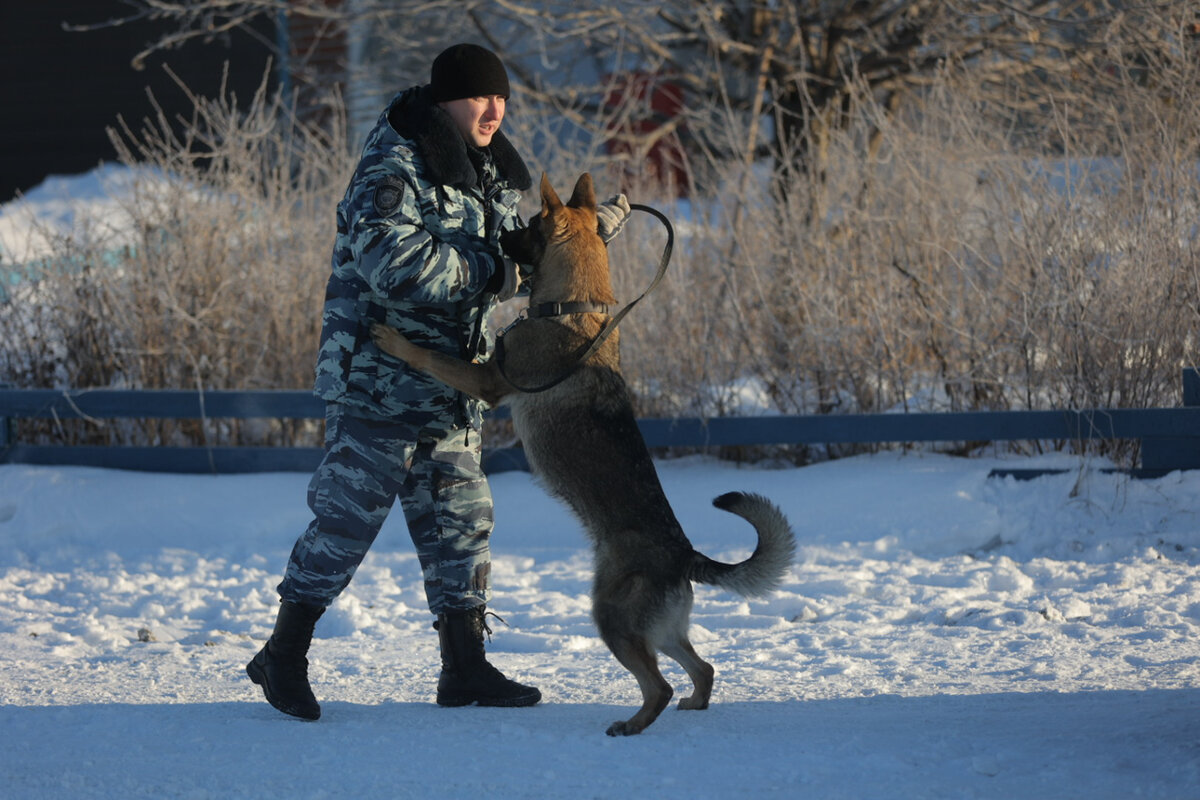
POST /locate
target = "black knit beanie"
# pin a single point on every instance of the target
(467, 70)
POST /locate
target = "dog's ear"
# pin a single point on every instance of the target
(584, 195)
(550, 201)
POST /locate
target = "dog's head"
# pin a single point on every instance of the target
(568, 259)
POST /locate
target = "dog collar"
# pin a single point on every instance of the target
(552, 310)
(559, 309)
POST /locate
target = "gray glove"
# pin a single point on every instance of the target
(611, 216)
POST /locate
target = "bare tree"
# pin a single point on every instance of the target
(323, 50)
(793, 68)
(804, 65)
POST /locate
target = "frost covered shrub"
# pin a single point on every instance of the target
(927, 260)
(206, 269)
(947, 268)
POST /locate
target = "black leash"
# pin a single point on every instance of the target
(555, 309)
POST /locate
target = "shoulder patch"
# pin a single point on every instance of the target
(388, 194)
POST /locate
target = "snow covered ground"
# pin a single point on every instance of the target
(942, 634)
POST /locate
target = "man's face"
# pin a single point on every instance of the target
(478, 118)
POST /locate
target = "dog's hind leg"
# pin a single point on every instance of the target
(638, 657)
(699, 670)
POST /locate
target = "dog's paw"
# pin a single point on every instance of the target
(622, 728)
(388, 339)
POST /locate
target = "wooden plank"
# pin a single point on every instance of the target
(1165, 453)
(923, 427)
(1141, 473)
(215, 460)
(197, 460)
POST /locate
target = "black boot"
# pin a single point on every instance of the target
(467, 677)
(281, 667)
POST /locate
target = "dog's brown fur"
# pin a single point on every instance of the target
(582, 440)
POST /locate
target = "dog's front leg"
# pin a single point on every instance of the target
(392, 342)
(481, 381)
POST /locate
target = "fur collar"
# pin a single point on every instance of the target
(414, 116)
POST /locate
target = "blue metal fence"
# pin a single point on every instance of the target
(1170, 437)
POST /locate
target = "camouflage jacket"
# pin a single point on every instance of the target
(417, 239)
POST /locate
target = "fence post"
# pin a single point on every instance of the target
(6, 428)
(1162, 455)
(1191, 386)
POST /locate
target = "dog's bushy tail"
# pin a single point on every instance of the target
(764, 569)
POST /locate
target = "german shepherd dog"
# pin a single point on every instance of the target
(582, 440)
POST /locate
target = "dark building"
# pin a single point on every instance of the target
(62, 88)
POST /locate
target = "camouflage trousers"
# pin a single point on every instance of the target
(368, 463)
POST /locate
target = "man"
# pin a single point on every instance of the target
(417, 247)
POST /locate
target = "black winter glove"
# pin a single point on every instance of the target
(505, 279)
